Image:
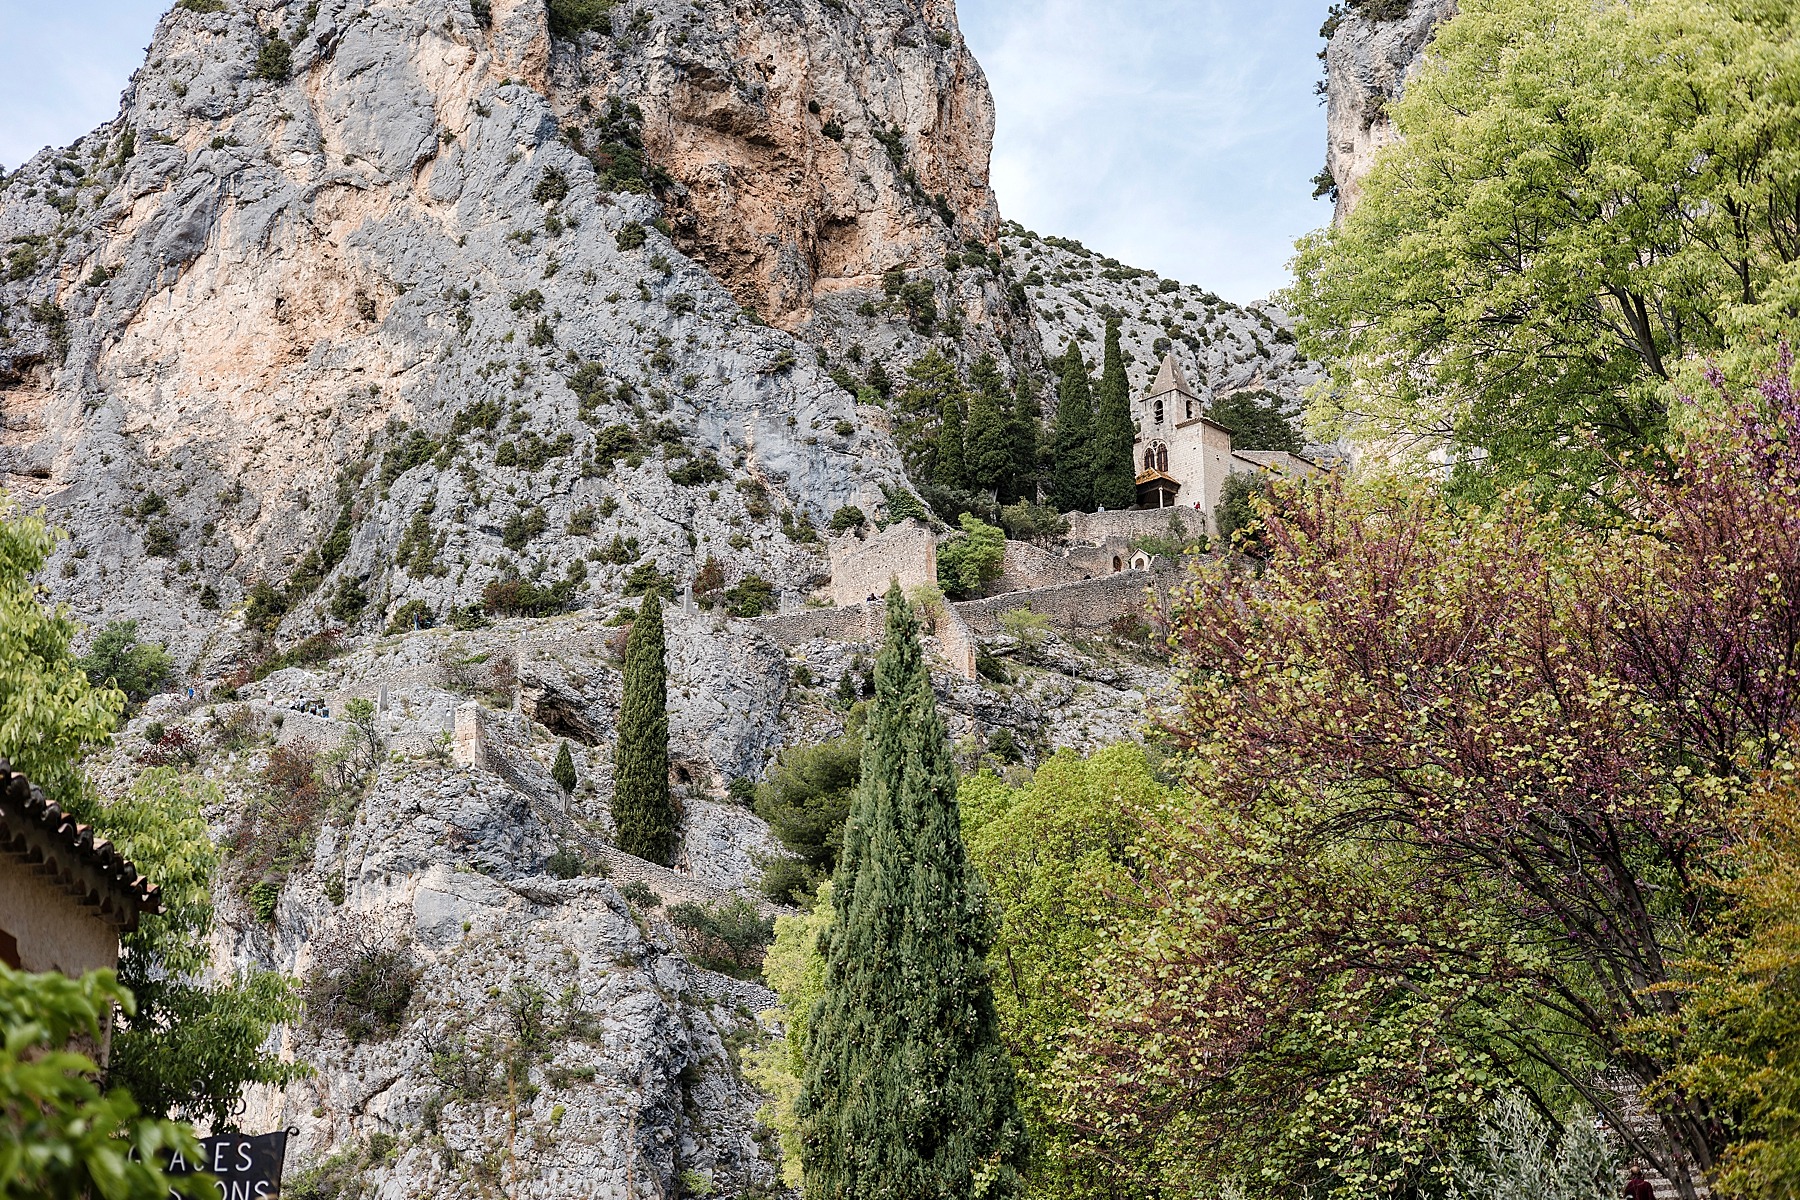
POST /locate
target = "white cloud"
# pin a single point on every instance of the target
(1180, 135)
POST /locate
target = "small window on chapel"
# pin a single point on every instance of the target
(1159, 412)
(1190, 408)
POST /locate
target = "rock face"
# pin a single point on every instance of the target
(1224, 348)
(1367, 62)
(262, 319)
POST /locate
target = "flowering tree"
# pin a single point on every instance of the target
(1463, 770)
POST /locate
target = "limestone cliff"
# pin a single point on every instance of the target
(1373, 47)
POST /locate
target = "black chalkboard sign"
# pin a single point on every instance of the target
(246, 1168)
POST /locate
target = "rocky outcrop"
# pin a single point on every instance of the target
(334, 300)
(1222, 346)
(1373, 48)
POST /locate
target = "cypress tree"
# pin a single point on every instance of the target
(1072, 472)
(1023, 426)
(907, 1093)
(563, 770)
(1115, 473)
(949, 472)
(987, 448)
(641, 809)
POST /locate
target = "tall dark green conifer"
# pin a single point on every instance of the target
(987, 445)
(641, 809)
(1072, 471)
(1024, 426)
(948, 469)
(1115, 474)
(907, 1094)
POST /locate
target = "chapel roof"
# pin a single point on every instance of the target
(1171, 379)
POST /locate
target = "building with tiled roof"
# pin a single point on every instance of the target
(66, 897)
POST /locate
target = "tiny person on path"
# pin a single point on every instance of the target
(1638, 1188)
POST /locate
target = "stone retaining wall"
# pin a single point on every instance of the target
(1095, 528)
(1085, 606)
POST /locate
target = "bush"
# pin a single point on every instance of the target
(139, 669)
(414, 613)
(1027, 628)
(631, 236)
(361, 985)
(569, 19)
(710, 577)
(1028, 522)
(522, 527)
(567, 863)
(752, 596)
(971, 559)
(847, 518)
(645, 578)
(274, 61)
(789, 881)
(264, 897)
(698, 470)
(726, 936)
(522, 598)
(1239, 525)
(639, 894)
(807, 794)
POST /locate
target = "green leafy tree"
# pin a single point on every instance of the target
(642, 810)
(1583, 195)
(1115, 472)
(806, 800)
(193, 1043)
(563, 769)
(907, 1090)
(987, 446)
(118, 659)
(1068, 857)
(60, 1137)
(49, 709)
(932, 388)
(1072, 466)
(1256, 421)
(972, 558)
(1237, 515)
(795, 968)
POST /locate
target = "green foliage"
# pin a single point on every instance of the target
(751, 596)
(806, 799)
(932, 396)
(60, 1138)
(48, 707)
(631, 236)
(795, 968)
(1028, 522)
(615, 145)
(563, 769)
(117, 659)
(1582, 196)
(987, 447)
(201, 6)
(907, 1090)
(847, 518)
(947, 459)
(728, 936)
(641, 809)
(639, 894)
(191, 1046)
(523, 598)
(1067, 858)
(1115, 467)
(699, 471)
(972, 558)
(361, 985)
(274, 61)
(412, 613)
(1240, 523)
(1256, 421)
(1738, 1035)
(1518, 1155)
(1072, 479)
(569, 19)
(522, 527)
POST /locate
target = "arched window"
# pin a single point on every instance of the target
(1150, 459)
(1162, 458)
(1159, 412)
(1118, 564)
(1190, 408)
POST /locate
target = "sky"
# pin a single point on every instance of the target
(1178, 135)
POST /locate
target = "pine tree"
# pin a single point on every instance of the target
(1115, 474)
(987, 449)
(1072, 472)
(1024, 428)
(563, 770)
(907, 1092)
(641, 809)
(948, 472)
